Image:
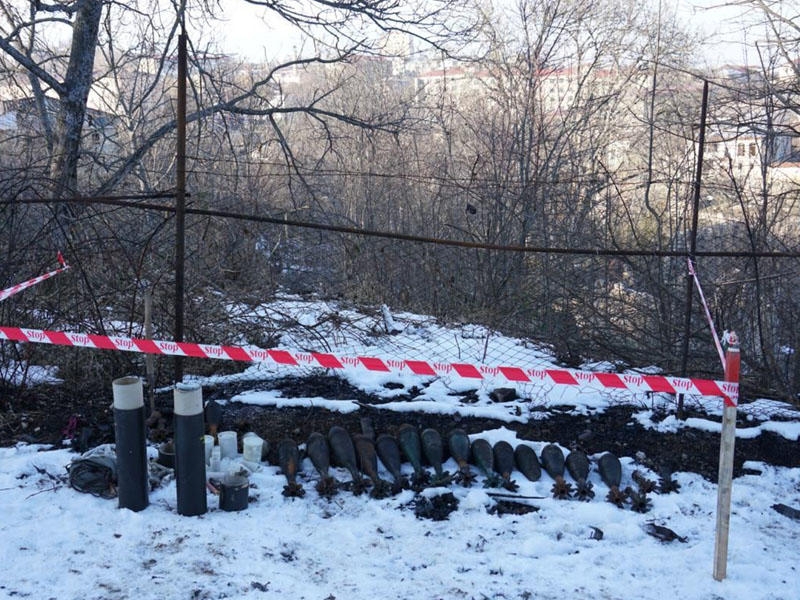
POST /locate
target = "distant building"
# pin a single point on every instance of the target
(22, 118)
(750, 136)
(457, 82)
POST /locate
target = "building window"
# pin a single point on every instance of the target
(752, 149)
(739, 149)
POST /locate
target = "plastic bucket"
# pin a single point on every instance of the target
(166, 455)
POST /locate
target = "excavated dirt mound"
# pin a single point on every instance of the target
(49, 415)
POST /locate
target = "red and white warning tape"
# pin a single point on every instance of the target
(569, 377)
(14, 289)
(717, 344)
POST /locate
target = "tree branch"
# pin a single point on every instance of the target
(28, 64)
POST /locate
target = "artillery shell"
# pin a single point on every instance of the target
(552, 460)
(527, 462)
(389, 452)
(319, 453)
(458, 443)
(503, 458)
(577, 464)
(410, 444)
(610, 470)
(483, 456)
(433, 448)
(344, 453)
(288, 458)
(367, 459)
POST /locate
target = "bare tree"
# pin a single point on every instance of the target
(546, 154)
(122, 56)
(71, 88)
(338, 30)
(757, 118)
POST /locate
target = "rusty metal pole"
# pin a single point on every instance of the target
(150, 359)
(687, 326)
(726, 447)
(180, 200)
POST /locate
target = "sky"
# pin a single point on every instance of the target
(730, 38)
(60, 543)
(255, 33)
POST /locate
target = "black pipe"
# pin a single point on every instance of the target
(131, 443)
(190, 456)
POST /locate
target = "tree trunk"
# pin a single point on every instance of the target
(72, 110)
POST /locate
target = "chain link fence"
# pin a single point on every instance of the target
(627, 311)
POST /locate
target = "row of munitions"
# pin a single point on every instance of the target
(359, 454)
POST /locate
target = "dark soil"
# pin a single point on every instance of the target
(48, 415)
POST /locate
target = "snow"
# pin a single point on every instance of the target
(273, 398)
(59, 543)
(18, 372)
(670, 424)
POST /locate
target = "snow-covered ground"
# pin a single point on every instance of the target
(59, 543)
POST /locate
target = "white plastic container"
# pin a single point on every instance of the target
(215, 460)
(227, 444)
(251, 448)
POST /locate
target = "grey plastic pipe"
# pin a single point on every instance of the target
(131, 444)
(190, 456)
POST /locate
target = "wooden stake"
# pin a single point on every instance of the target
(727, 441)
